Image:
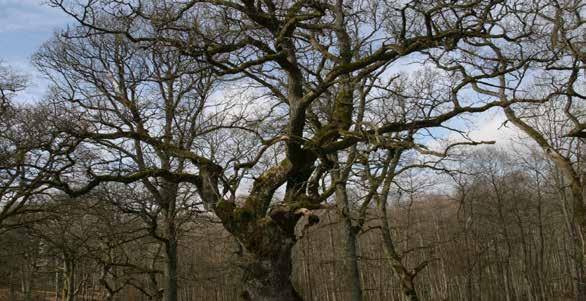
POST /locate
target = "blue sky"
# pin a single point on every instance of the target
(24, 26)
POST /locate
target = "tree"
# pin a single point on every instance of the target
(553, 111)
(510, 227)
(31, 151)
(305, 58)
(11, 82)
(135, 109)
(15, 144)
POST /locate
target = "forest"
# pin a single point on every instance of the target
(289, 150)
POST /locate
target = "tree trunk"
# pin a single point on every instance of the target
(171, 287)
(578, 239)
(269, 238)
(168, 200)
(26, 281)
(269, 278)
(12, 288)
(69, 280)
(409, 288)
(57, 285)
(269, 241)
(395, 260)
(351, 272)
(351, 264)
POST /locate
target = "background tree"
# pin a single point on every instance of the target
(135, 108)
(553, 113)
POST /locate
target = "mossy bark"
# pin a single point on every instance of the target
(269, 278)
(270, 241)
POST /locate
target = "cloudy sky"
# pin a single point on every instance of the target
(26, 24)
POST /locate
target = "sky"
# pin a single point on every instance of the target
(26, 24)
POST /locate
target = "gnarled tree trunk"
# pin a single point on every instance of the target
(269, 278)
(269, 240)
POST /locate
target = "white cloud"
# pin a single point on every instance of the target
(491, 126)
(486, 126)
(29, 15)
(24, 26)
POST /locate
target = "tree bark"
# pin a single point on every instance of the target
(351, 272)
(268, 234)
(57, 285)
(26, 284)
(69, 279)
(12, 288)
(578, 239)
(171, 277)
(168, 194)
(269, 278)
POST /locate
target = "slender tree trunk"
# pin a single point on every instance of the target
(28, 292)
(578, 239)
(155, 292)
(12, 289)
(395, 260)
(579, 232)
(69, 280)
(351, 272)
(169, 199)
(171, 271)
(57, 285)
(26, 281)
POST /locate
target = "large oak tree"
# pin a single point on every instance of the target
(301, 61)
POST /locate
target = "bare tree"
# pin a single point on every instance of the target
(31, 150)
(11, 82)
(305, 59)
(553, 115)
(135, 109)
